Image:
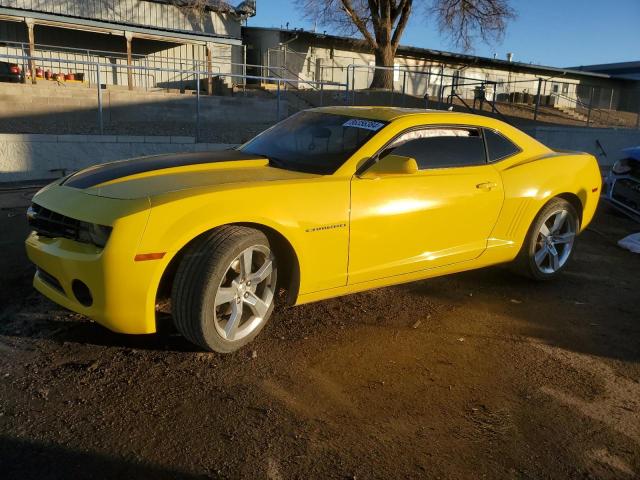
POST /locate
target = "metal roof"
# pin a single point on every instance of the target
(115, 27)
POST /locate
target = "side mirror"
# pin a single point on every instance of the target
(392, 165)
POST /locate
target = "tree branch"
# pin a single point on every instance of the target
(359, 23)
(405, 13)
(463, 20)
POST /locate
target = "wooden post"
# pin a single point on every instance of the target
(129, 37)
(209, 48)
(32, 47)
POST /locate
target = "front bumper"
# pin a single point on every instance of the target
(122, 290)
(623, 192)
(119, 290)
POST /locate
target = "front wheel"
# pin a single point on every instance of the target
(550, 241)
(224, 289)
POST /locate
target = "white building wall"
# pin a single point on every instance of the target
(420, 76)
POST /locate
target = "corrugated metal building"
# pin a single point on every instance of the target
(156, 34)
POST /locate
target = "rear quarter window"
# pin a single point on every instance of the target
(499, 147)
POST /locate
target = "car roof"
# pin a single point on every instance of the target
(385, 114)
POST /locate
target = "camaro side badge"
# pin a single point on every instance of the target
(325, 227)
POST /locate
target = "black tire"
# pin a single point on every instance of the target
(201, 272)
(525, 263)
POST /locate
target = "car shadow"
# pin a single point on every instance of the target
(80, 330)
(21, 459)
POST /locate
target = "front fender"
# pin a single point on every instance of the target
(295, 210)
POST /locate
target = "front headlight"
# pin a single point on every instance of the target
(93, 233)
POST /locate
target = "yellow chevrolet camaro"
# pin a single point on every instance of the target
(328, 202)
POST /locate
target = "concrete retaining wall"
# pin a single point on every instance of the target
(72, 103)
(39, 157)
(605, 143)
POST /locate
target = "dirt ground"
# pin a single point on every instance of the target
(476, 375)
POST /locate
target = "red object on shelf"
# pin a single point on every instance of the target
(48, 75)
(69, 76)
(39, 73)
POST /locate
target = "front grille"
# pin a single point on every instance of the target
(627, 192)
(50, 279)
(51, 224)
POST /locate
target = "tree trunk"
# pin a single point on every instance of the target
(383, 78)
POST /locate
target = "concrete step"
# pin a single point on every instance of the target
(570, 112)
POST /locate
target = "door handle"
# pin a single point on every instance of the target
(486, 185)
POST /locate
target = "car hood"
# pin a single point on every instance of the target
(158, 174)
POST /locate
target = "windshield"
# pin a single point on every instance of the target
(313, 142)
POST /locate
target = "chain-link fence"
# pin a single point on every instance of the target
(521, 98)
(86, 101)
(209, 98)
(550, 100)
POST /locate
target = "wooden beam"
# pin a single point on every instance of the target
(32, 47)
(129, 37)
(209, 69)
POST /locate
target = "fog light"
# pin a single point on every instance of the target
(82, 293)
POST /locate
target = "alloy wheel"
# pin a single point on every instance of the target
(246, 293)
(554, 241)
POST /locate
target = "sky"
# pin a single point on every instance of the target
(559, 33)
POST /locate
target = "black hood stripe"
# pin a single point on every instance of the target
(107, 172)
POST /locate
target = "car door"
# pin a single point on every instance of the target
(441, 214)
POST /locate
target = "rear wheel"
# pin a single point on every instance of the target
(224, 289)
(550, 241)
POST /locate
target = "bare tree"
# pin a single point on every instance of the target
(382, 23)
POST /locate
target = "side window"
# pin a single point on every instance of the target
(441, 147)
(499, 146)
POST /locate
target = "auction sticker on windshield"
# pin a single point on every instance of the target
(366, 124)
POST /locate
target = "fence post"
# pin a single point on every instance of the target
(346, 91)
(278, 102)
(535, 111)
(25, 62)
(441, 94)
(611, 100)
(493, 99)
(244, 69)
(353, 85)
(404, 87)
(321, 94)
(393, 85)
(589, 108)
(98, 82)
(197, 105)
